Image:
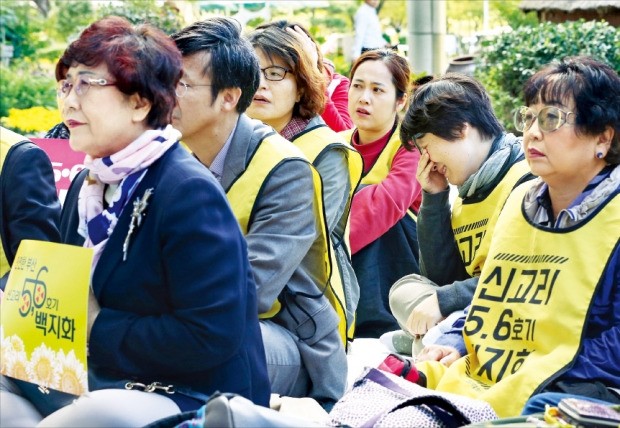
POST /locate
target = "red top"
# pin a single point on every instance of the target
(336, 114)
(376, 208)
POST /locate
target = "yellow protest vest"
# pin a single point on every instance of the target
(470, 221)
(245, 191)
(8, 139)
(535, 284)
(380, 170)
(313, 143)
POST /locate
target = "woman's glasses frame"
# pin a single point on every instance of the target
(81, 87)
(275, 73)
(549, 118)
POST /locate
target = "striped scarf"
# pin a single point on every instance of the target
(126, 169)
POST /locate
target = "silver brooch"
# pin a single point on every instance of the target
(139, 206)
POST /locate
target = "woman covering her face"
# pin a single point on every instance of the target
(172, 305)
(383, 228)
(546, 313)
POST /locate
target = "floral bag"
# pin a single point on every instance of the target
(381, 399)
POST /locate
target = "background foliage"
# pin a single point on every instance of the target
(39, 32)
(40, 35)
(23, 86)
(509, 59)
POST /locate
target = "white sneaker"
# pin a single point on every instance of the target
(397, 341)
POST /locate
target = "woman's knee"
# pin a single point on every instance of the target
(17, 411)
(407, 293)
(113, 408)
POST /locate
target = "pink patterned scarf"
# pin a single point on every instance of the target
(125, 169)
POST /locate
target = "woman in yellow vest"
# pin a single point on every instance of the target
(383, 231)
(546, 314)
(290, 99)
(29, 207)
(451, 123)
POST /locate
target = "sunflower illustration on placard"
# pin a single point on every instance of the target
(40, 368)
(71, 375)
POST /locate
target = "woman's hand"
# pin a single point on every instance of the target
(444, 354)
(429, 178)
(309, 46)
(424, 316)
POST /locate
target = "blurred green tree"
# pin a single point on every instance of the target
(22, 27)
(166, 17)
(71, 19)
(508, 60)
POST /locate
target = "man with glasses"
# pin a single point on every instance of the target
(276, 196)
(451, 122)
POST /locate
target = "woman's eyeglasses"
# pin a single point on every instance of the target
(81, 87)
(275, 73)
(549, 118)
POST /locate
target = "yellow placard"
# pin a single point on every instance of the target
(44, 316)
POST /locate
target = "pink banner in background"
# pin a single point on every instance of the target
(66, 162)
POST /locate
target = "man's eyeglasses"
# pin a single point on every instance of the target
(81, 87)
(275, 73)
(415, 139)
(549, 118)
(181, 88)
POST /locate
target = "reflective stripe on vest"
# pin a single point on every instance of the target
(529, 312)
(470, 222)
(8, 139)
(380, 170)
(313, 143)
(246, 190)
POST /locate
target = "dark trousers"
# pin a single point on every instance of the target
(379, 265)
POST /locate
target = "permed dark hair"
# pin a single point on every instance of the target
(141, 59)
(443, 106)
(233, 63)
(592, 86)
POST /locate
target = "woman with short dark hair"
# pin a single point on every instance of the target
(545, 316)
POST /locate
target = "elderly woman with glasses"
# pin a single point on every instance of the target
(451, 123)
(546, 314)
(172, 304)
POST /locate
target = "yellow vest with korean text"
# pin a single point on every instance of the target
(246, 190)
(313, 143)
(535, 284)
(470, 221)
(7, 140)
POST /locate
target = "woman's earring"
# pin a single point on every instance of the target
(599, 155)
